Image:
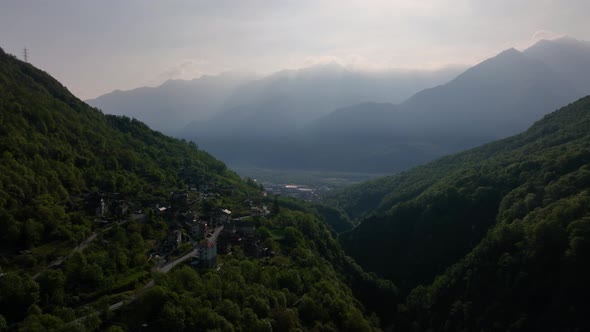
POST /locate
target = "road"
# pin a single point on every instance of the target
(79, 247)
(87, 242)
(60, 260)
(164, 269)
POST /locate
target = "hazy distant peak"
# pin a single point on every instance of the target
(318, 69)
(330, 66)
(504, 60)
(511, 52)
(568, 57)
(226, 75)
(567, 42)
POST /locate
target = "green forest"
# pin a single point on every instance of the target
(495, 238)
(67, 266)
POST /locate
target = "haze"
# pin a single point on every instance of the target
(95, 47)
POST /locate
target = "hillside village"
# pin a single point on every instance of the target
(195, 224)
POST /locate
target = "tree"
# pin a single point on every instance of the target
(17, 294)
(51, 286)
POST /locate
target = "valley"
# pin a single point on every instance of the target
(356, 166)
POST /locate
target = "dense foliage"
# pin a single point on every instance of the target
(55, 148)
(65, 268)
(301, 287)
(505, 227)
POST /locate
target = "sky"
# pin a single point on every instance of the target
(95, 47)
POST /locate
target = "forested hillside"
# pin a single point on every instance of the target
(504, 226)
(99, 213)
(55, 148)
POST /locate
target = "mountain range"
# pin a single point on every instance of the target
(496, 98)
(239, 103)
(318, 118)
(170, 106)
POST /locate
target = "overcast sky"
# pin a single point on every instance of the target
(94, 47)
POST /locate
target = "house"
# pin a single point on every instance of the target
(175, 238)
(223, 216)
(179, 200)
(121, 209)
(259, 211)
(208, 248)
(256, 211)
(96, 204)
(198, 229)
(208, 253)
(161, 208)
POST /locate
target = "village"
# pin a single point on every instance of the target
(198, 230)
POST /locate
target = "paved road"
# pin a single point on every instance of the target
(166, 268)
(79, 247)
(87, 242)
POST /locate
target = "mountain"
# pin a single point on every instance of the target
(503, 228)
(230, 102)
(568, 57)
(365, 138)
(285, 101)
(170, 106)
(375, 118)
(498, 97)
(326, 117)
(99, 212)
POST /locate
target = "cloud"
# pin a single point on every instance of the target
(350, 61)
(186, 69)
(389, 63)
(536, 37)
(545, 34)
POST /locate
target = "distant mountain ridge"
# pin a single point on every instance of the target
(568, 57)
(170, 106)
(331, 118)
(291, 99)
(496, 98)
(232, 102)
